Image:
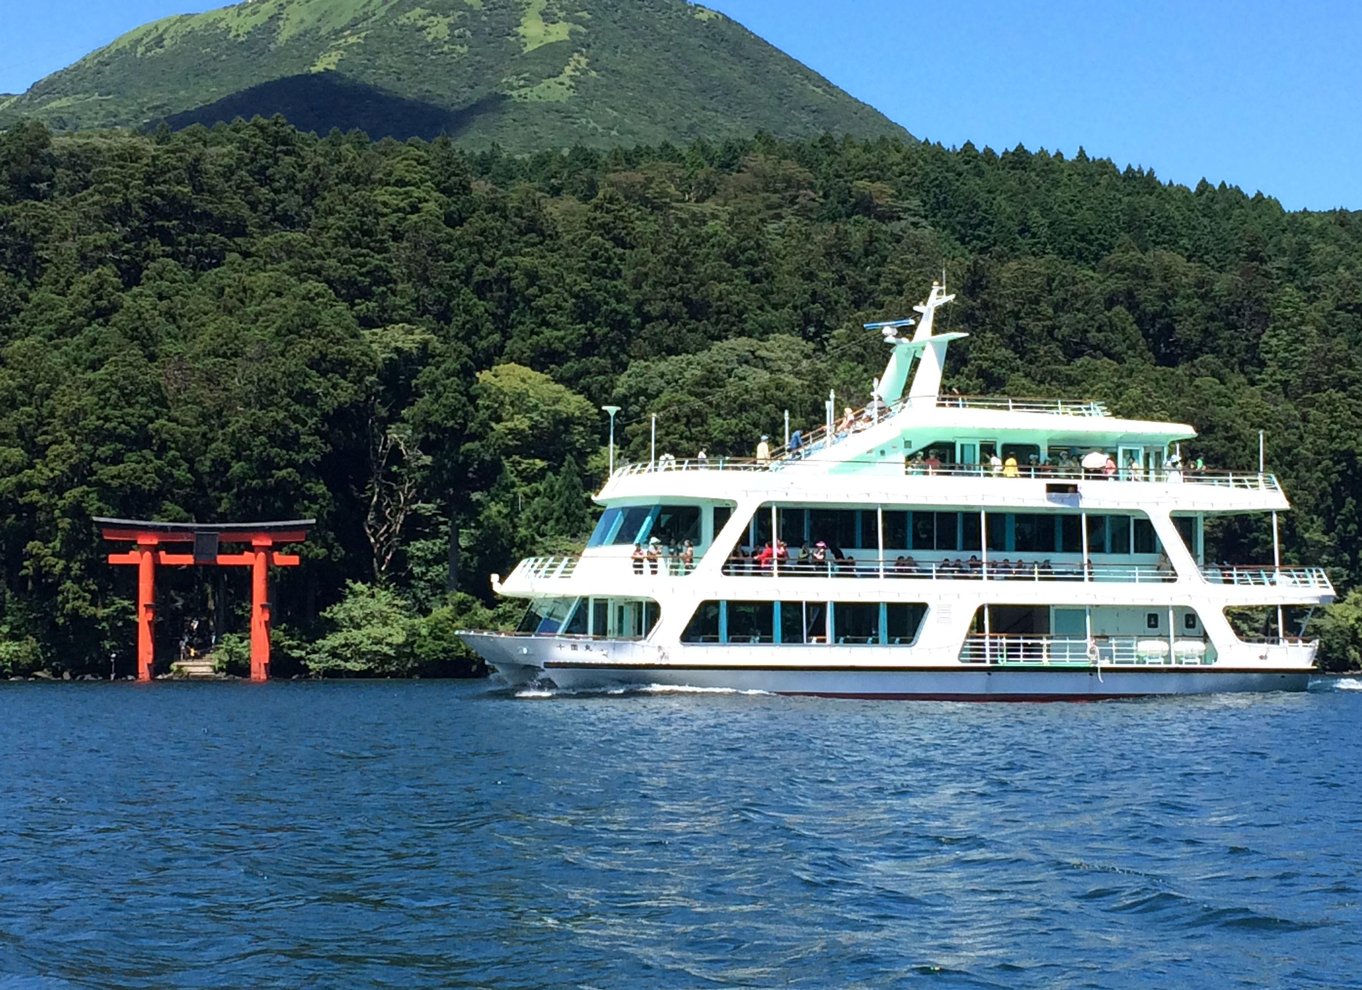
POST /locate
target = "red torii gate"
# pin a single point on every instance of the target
(205, 537)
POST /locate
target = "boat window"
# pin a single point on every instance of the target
(924, 531)
(793, 525)
(606, 528)
(722, 513)
(997, 530)
(856, 622)
(751, 622)
(896, 530)
(703, 626)
(1070, 534)
(1109, 534)
(620, 525)
(630, 618)
(576, 623)
(1187, 530)
(675, 523)
(835, 527)
(803, 622)
(1146, 540)
(970, 529)
(903, 620)
(1034, 532)
(545, 616)
(948, 531)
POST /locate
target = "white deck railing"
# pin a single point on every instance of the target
(993, 570)
(1268, 575)
(1003, 649)
(1250, 481)
(900, 567)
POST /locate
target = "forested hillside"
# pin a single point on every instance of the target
(411, 343)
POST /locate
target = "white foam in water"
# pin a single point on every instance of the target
(534, 692)
(686, 689)
(1335, 684)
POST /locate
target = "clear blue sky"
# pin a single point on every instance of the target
(1262, 94)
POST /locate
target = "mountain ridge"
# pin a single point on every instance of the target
(526, 74)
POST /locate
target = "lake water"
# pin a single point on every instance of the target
(456, 835)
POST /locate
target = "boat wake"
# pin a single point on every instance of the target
(540, 691)
(1336, 684)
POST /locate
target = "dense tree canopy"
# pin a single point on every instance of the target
(410, 343)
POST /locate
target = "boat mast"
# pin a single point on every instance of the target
(931, 346)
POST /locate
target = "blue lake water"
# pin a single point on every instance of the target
(456, 835)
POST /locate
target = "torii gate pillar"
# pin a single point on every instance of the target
(148, 536)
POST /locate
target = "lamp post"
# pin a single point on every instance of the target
(611, 410)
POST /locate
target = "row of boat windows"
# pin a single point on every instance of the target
(800, 622)
(617, 618)
(1021, 532)
(671, 524)
(1033, 532)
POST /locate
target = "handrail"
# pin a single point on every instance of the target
(1061, 407)
(1246, 480)
(1003, 648)
(994, 570)
(1057, 472)
(1267, 575)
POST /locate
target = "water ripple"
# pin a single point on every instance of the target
(439, 835)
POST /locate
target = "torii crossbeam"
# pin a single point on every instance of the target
(148, 538)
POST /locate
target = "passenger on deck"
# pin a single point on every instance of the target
(654, 554)
(1010, 467)
(796, 442)
(764, 450)
(637, 557)
(820, 556)
(848, 421)
(765, 556)
(932, 463)
(687, 556)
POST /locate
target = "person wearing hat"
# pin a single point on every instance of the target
(654, 554)
(764, 450)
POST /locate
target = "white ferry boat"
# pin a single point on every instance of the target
(929, 546)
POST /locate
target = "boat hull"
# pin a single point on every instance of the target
(521, 660)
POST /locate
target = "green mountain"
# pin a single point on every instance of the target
(528, 74)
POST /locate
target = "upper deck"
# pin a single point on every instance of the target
(740, 480)
(915, 445)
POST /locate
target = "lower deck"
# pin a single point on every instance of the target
(878, 671)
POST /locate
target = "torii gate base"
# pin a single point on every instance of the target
(205, 537)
